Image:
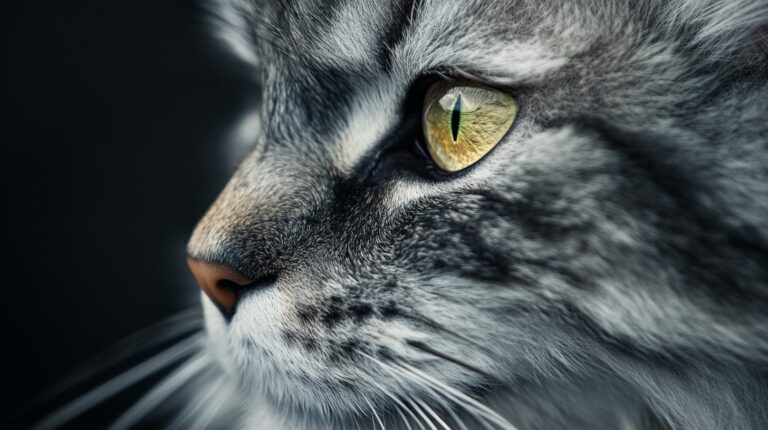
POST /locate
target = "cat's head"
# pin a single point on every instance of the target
(621, 218)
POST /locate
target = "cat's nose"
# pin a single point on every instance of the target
(221, 283)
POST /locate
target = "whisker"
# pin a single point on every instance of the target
(115, 385)
(163, 331)
(432, 412)
(192, 407)
(398, 408)
(398, 404)
(456, 418)
(422, 414)
(398, 378)
(429, 350)
(209, 412)
(418, 421)
(164, 389)
(399, 373)
(472, 407)
(439, 327)
(485, 410)
(437, 395)
(441, 399)
(383, 427)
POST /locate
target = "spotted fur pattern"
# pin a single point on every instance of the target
(604, 267)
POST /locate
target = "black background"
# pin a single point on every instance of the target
(114, 123)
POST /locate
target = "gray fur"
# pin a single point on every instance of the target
(604, 267)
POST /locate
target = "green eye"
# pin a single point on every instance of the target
(463, 122)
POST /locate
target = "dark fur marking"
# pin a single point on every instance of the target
(389, 310)
(308, 313)
(386, 354)
(293, 338)
(361, 311)
(346, 350)
(334, 313)
(398, 25)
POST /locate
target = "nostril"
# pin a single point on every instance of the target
(262, 282)
(222, 283)
(229, 285)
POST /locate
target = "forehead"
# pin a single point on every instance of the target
(402, 38)
(337, 72)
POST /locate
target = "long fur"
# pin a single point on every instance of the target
(604, 267)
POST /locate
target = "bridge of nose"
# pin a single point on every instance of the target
(261, 222)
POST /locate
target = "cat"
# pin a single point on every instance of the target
(470, 214)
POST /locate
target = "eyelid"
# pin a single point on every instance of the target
(458, 75)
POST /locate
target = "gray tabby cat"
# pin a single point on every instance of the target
(602, 264)
(603, 267)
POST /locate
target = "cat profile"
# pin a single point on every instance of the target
(489, 214)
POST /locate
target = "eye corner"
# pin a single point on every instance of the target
(417, 91)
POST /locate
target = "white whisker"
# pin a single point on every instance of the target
(418, 421)
(158, 394)
(209, 412)
(119, 383)
(397, 377)
(375, 414)
(398, 404)
(456, 418)
(450, 391)
(432, 412)
(174, 326)
(421, 414)
(193, 407)
(399, 373)
(398, 408)
(437, 395)
(440, 399)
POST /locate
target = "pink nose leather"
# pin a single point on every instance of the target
(219, 282)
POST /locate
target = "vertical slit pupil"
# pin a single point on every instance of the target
(456, 118)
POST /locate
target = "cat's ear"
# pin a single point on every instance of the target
(230, 24)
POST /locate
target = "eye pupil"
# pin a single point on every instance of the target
(456, 119)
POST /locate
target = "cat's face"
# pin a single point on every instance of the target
(604, 220)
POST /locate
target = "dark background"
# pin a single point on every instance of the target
(115, 117)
